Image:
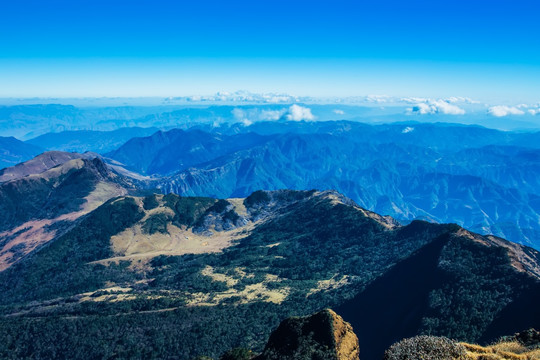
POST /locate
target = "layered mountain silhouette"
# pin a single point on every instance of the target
(482, 179)
(13, 151)
(173, 276)
(88, 140)
(168, 152)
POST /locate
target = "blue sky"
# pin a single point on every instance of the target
(489, 50)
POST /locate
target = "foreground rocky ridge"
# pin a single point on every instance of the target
(325, 335)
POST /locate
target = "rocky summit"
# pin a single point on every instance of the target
(324, 335)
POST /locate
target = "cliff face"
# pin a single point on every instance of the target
(324, 335)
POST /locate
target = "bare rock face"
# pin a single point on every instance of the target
(324, 335)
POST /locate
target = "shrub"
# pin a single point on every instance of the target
(257, 198)
(150, 202)
(426, 348)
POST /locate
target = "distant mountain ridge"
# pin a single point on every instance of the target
(13, 151)
(87, 140)
(470, 175)
(167, 152)
(483, 179)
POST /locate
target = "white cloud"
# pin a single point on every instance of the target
(408, 129)
(414, 100)
(248, 116)
(503, 110)
(239, 114)
(339, 112)
(242, 116)
(441, 105)
(461, 99)
(299, 113)
(447, 108)
(242, 97)
(533, 109)
(421, 108)
(429, 106)
(271, 114)
(378, 98)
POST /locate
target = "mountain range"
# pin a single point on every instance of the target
(94, 267)
(87, 140)
(482, 179)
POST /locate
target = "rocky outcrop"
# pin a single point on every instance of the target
(324, 335)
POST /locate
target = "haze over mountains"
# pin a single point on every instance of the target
(30, 118)
(86, 140)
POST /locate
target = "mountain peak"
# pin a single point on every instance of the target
(41, 197)
(39, 164)
(522, 258)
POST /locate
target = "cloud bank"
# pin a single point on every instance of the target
(503, 110)
(430, 106)
(293, 113)
(299, 113)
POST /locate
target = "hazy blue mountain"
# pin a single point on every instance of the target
(474, 176)
(167, 152)
(510, 166)
(441, 136)
(86, 140)
(29, 121)
(379, 177)
(13, 151)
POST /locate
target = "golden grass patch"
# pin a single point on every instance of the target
(503, 350)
